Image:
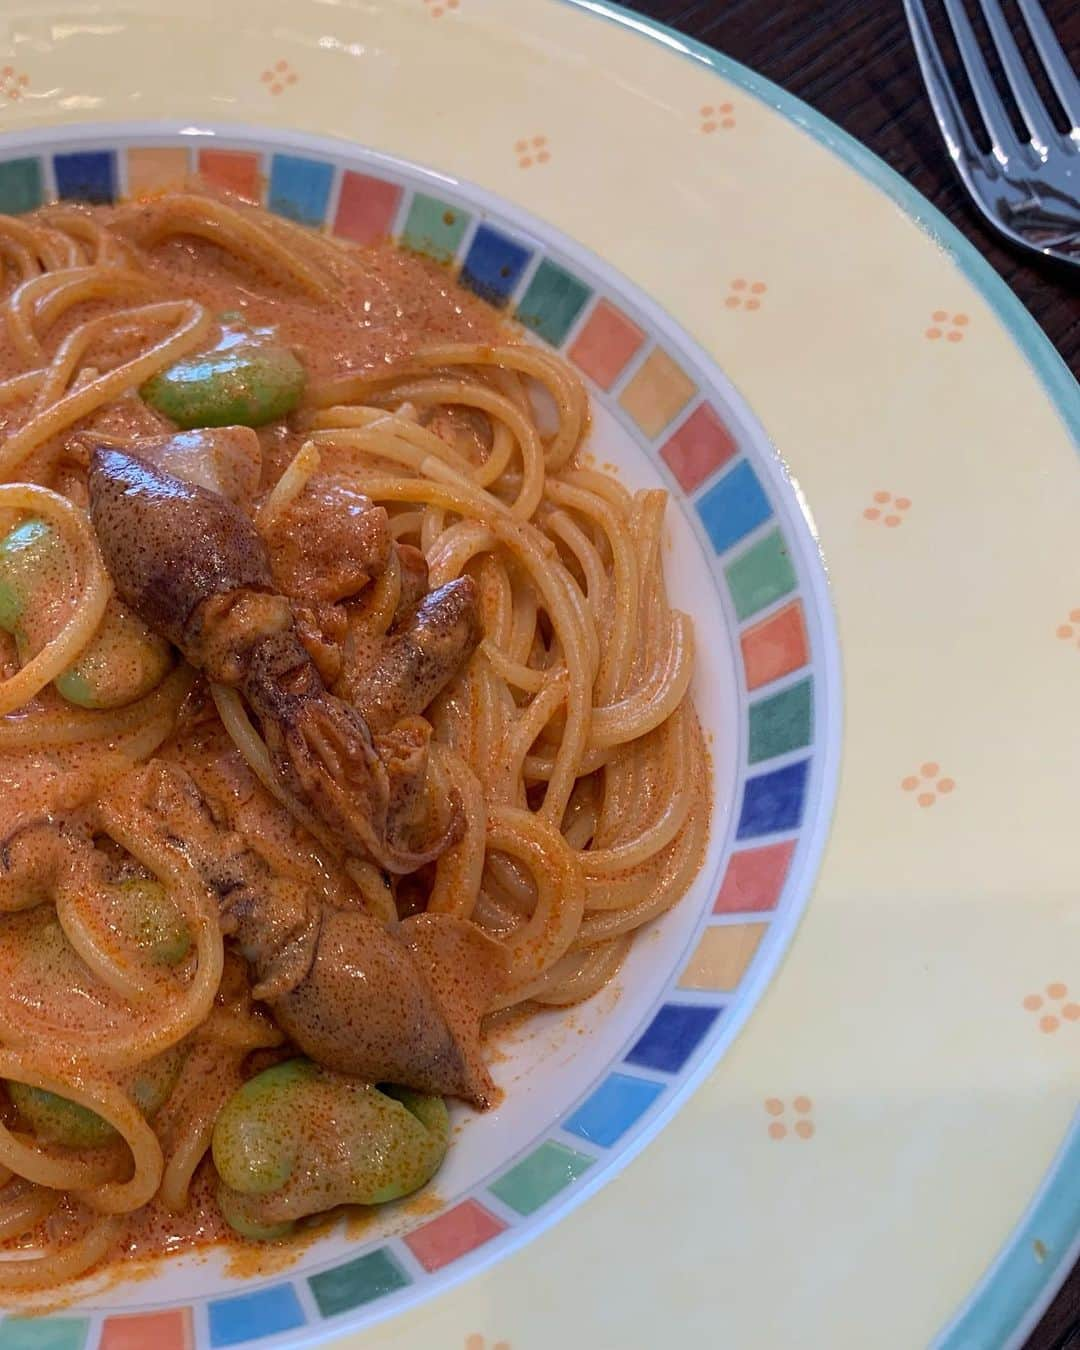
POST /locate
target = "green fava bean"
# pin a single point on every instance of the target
(298, 1140)
(150, 1085)
(254, 1142)
(248, 379)
(31, 556)
(60, 1121)
(123, 662)
(235, 1211)
(417, 1141)
(150, 920)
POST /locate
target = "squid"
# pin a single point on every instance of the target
(193, 567)
(383, 1003)
(398, 1003)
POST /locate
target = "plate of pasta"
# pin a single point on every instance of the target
(516, 669)
(386, 587)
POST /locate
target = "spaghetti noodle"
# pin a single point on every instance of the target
(560, 799)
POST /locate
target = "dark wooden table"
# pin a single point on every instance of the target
(852, 60)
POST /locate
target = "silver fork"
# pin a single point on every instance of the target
(1029, 190)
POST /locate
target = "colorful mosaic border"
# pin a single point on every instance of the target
(769, 583)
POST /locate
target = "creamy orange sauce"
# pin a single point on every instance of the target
(389, 303)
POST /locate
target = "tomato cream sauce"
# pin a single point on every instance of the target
(249, 860)
(386, 303)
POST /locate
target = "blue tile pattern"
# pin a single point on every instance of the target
(733, 506)
(773, 801)
(300, 188)
(86, 175)
(266, 1312)
(493, 265)
(619, 1102)
(672, 1036)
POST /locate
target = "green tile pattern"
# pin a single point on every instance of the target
(781, 723)
(44, 1333)
(435, 227)
(543, 1174)
(20, 186)
(761, 575)
(552, 302)
(357, 1282)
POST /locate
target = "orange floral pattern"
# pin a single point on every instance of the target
(887, 509)
(279, 76)
(781, 1123)
(718, 117)
(1053, 1006)
(927, 785)
(745, 294)
(948, 326)
(532, 150)
(13, 83)
(1068, 631)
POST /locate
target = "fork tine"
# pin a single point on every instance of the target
(1062, 76)
(997, 122)
(1028, 100)
(958, 138)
